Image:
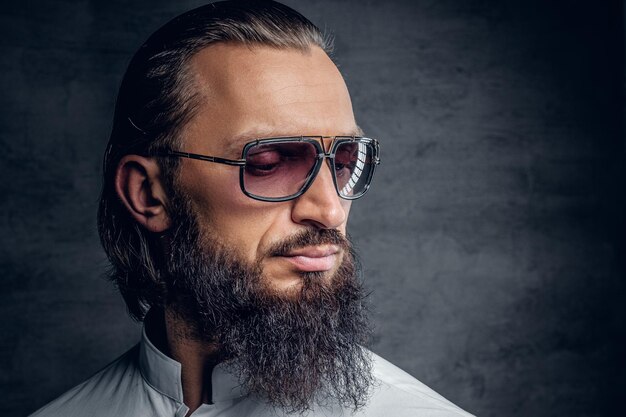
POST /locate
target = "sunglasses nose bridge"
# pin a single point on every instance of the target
(327, 143)
(329, 157)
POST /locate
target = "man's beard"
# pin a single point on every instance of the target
(296, 348)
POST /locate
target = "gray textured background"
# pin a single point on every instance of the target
(493, 239)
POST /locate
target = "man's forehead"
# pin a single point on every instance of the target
(249, 93)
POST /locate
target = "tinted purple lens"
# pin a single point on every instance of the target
(354, 162)
(280, 169)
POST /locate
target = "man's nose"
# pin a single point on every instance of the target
(320, 206)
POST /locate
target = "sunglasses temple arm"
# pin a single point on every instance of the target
(234, 162)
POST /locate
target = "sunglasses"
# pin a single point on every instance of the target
(281, 169)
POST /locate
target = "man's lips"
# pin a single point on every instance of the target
(313, 258)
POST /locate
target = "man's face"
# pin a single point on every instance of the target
(233, 279)
(249, 93)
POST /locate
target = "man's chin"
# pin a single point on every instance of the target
(307, 328)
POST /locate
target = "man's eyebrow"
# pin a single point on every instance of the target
(357, 132)
(236, 142)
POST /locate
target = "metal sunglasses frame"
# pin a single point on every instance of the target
(316, 141)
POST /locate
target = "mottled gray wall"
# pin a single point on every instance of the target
(492, 237)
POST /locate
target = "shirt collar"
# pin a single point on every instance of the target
(164, 374)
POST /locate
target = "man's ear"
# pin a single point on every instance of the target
(139, 185)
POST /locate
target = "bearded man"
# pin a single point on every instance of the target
(228, 180)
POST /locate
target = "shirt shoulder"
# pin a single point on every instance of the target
(116, 390)
(399, 394)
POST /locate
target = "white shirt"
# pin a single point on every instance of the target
(144, 382)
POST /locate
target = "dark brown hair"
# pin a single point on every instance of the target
(155, 101)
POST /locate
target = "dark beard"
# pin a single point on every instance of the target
(295, 350)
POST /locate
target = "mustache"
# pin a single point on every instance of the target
(310, 237)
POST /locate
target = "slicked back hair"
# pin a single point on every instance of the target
(156, 99)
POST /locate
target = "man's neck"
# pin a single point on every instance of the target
(170, 334)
